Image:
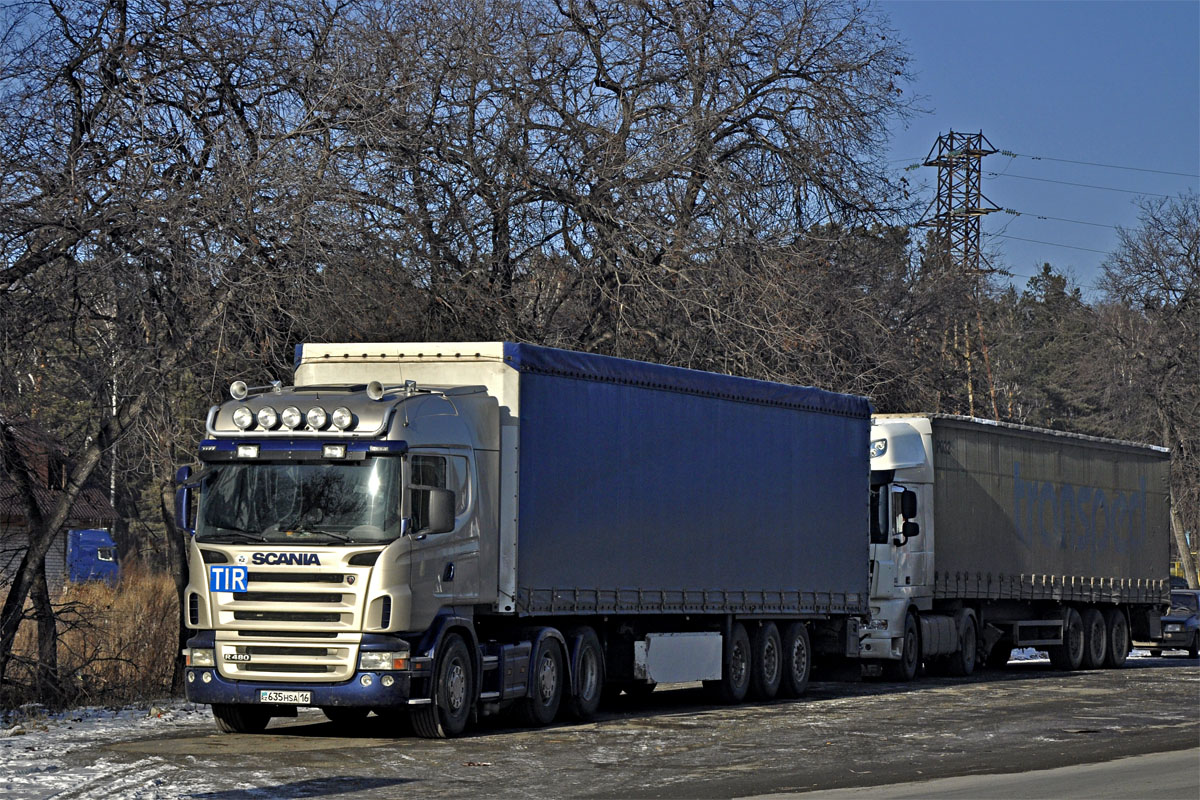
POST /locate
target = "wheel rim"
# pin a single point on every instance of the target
(799, 661)
(589, 674)
(547, 679)
(770, 661)
(456, 686)
(738, 664)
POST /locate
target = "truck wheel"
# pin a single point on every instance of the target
(797, 660)
(910, 657)
(1118, 638)
(1069, 654)
(540, 707)
(735, 666)
(589, 674)
(240, 719)
(962, 663)
(453, 687)
(766, 663)
(345, 715)
(1095, 639)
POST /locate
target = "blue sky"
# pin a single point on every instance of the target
(1113, 83)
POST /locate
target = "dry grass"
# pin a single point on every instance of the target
(115, 644)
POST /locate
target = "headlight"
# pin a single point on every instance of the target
(198, 657)
(1173, 628)
(374, 661)
(291, 417)
(316, 418)
(878, 448)
(342, 418)
(243, 417)
(267, 417)
(876, 625)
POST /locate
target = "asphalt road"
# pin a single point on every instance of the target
(1023, 719)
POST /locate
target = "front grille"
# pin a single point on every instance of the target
(291, 634)
(286, 597)
(284, 650)
(285, 616)
(296, 577)
(309, 669)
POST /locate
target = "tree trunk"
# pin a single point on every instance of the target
(48, 685)
(1181, 544)
(177, 558)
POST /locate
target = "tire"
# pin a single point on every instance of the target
(548, 679)
(1095, 639)
(797, 660)
(588, 660)
(962, 663)
(766, 672)
(910, 657)
(453, 693)
(1069, 654)
(1118, 638)
(345, 715)
(736, 667)
(240, 719)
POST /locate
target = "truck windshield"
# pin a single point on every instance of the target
(266, 502)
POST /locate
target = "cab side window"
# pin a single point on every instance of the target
(437, 472)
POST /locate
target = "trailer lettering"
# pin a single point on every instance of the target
(1069, 517)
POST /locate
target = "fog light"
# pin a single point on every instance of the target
(366, 680)
(206, 677)
(387, 680)
(333, 451)
(191, 676)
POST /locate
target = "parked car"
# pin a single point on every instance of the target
(1181, 625)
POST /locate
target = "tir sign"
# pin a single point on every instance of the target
(227, 579)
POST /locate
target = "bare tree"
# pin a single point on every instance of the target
(1152, 281)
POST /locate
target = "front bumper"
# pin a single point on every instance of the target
(364, 688)
(345, 693)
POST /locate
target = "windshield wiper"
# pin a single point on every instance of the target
(341, 537)
(238, 534)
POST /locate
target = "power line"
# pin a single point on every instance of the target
(1016, 213)
(1097, 164)
(1084, 185)
(1037, 241)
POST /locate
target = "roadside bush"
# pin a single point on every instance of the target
(115, 644)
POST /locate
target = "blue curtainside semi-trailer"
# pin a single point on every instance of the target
(450, 529)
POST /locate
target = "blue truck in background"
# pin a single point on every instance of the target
(92, 556)
(448, 530)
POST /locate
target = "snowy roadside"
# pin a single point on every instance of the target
(33, 748)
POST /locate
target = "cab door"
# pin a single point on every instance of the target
(443, 567)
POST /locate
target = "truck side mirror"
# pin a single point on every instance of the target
(441, 511)
(910, 529)
(908, 504)
(183, 499)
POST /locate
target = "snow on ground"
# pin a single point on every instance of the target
(34, 748)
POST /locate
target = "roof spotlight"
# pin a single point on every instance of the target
(291, 417)
(342, 418)
(243, 417)
(317, 418)
(267, 417)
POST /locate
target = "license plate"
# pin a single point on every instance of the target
(293, 698)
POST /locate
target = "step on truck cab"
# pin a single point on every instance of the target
(989, 536)
(441, 531)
